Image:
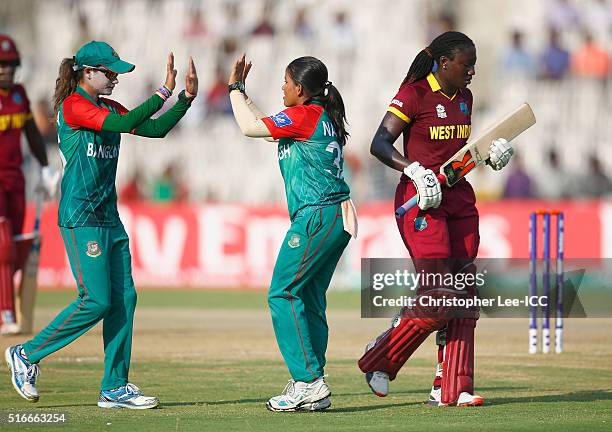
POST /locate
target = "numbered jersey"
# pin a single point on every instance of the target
(310, 157)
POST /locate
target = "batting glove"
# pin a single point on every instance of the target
(427, 185)
(500, 152)
(47, 183)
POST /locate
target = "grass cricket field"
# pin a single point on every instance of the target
(212, 359)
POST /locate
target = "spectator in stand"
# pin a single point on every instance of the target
(591, 60)
(562, 15)
(132, 191)
(517, 61)
(555, 60)
(597, 16)
(195, 27)
(264, 26)
(344, 42)
(553, 180)
(231, 25)
(227, 51)
(344, 35)
(518, 182)
(217, 95)
(595, 184)
(302, 28)
(441, 23)
(168, 187)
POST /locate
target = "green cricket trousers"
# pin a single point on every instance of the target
(101, 264)
(302, 273)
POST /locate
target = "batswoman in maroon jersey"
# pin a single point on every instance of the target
(432, 110)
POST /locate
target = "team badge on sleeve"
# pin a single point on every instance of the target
(281, 119)
(420, 223)
(17, 98)
(464, 108)
(294, 241)
(93, 249)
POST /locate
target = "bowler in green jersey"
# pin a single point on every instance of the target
(89, 133)
(311, 135)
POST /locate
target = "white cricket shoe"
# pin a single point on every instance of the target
(127, 396)
(467, 399)
(300, 394)
(10, 329)
(321, 405)
(23, 373)
(378, 382)
(435, 395)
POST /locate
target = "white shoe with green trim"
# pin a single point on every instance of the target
(301, 395)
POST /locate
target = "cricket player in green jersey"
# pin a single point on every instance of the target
(89, 133)
(311, 136)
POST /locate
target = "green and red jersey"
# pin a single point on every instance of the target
(89, 156)
(310, 157)
(438, 125)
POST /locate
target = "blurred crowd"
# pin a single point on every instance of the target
(578, 36)
(588, 25)
(576, 52)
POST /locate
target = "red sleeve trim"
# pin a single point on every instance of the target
(81, 113)
(297, 122)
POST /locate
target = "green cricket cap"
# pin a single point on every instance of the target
(97, 53)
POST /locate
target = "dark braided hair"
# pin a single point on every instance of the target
(311, 73)
(444, 45)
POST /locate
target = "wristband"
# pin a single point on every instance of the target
(182, 96)
(164, 92)
(411, 169)
(238, 85)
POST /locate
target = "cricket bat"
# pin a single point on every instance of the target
(26, 293)
(476, 151)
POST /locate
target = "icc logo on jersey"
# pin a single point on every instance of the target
(441, 111)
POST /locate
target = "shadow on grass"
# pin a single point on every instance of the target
(426, 391)
(579, 396)
(373, 407)
(163, 404)
(221, 402)
(263, 401)
(569, 397)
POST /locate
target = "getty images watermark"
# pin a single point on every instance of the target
(494, 287)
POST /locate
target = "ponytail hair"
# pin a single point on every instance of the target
(428, 59)
(66, 82)
(311, 74)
